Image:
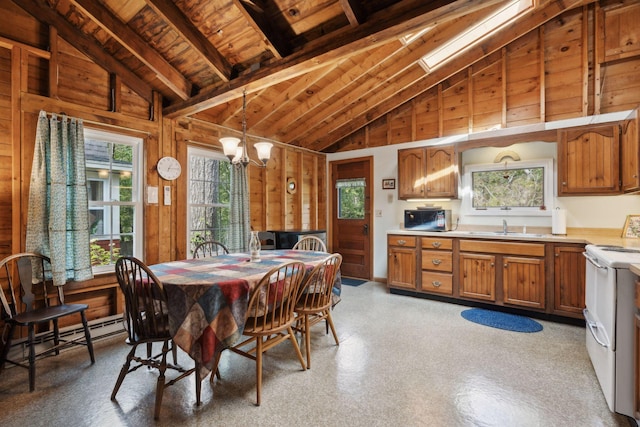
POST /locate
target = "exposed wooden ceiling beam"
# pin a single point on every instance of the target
(343, 126)
(138, 47)
(389, 68)
(260, 23)
(353, 11)
(40, 10)
(400, 19)
(174, 17)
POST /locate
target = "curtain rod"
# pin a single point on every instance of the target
(108, 125)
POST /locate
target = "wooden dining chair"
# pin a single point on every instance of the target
(210, 248)
(147, 322)
(270, 316)
(315, 301)
(26, 278)
(310, 243)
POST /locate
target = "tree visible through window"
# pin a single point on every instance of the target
(209, 197)
(351, 198)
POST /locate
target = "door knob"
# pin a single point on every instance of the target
(366, 229)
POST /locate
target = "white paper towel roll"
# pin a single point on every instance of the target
(559, 221)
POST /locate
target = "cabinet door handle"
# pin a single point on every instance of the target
(436, 283)
(506, 265)
(436, 244)
(436, 261)
(402, 242)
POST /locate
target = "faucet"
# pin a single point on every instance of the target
(504, 226)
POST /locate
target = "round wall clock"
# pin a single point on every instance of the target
(169, 168)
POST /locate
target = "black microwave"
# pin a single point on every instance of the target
(427, 219)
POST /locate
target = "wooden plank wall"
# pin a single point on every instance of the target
(585, 61)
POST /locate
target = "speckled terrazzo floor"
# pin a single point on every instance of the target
(402, 361)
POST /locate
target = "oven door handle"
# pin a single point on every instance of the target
(595, 329)
(593, 261)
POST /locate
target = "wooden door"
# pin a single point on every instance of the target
(523, 281)
(478, 276)
(442, 174)
(351, 232)
(411, 173)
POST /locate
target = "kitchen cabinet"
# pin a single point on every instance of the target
(436, 264)
(478, 276)
(521, 279)
(427, 172)
(589, 160)
(402, 256)
(569, 277)
(630, 154)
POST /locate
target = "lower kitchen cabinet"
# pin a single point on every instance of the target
(478, 276)
(636, 364)
(402, 263)
(523, 281)
(569, 276)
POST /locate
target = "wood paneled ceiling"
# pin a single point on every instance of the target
(314, 71)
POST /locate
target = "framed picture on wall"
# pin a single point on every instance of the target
(388, 184)
(631, 227)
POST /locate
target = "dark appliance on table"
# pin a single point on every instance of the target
(427, 219)
(285, 239)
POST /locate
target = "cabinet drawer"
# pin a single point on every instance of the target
(508, 248)
(437, 243)
(436, 260)
(440, 283)
(398, 240)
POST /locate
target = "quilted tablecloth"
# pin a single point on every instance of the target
(208, 297)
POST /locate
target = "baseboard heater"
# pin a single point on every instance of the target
(100, 328)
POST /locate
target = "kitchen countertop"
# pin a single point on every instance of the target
(595, 236)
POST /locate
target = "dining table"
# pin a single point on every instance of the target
(207, 298)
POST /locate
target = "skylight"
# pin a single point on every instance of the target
(472, 35)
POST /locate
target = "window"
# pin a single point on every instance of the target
(208, 211)
(351, 198)
(510, 188)
(113, 165)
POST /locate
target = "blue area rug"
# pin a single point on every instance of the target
(352, 282)
(497, 319)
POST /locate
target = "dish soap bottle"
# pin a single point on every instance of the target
(254, 247)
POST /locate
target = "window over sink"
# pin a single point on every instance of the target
(509, 188)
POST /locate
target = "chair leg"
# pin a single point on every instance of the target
(32, 358)
(56, 336)
(87, 337)
(7, 346)
(258, 369)
(123, 372)
(333, 328)
(161, 379)
(307, 340)
(296, 347)
(215, 372)
(198, 383)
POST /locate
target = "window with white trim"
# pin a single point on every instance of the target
(114, 182)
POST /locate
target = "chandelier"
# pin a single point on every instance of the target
(237, 154)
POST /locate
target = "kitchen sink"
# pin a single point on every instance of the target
(503, 234)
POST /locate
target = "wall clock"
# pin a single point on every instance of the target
(169, 168)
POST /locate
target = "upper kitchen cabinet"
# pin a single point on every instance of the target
(589, 160)
(427, 172)
(630, 154)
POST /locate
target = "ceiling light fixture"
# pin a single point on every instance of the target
(237, 154)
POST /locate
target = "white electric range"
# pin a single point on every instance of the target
(609, 316)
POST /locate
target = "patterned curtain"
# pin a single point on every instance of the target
(240, 220)
(58, 222)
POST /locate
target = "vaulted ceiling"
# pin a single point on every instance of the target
(314, 71)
